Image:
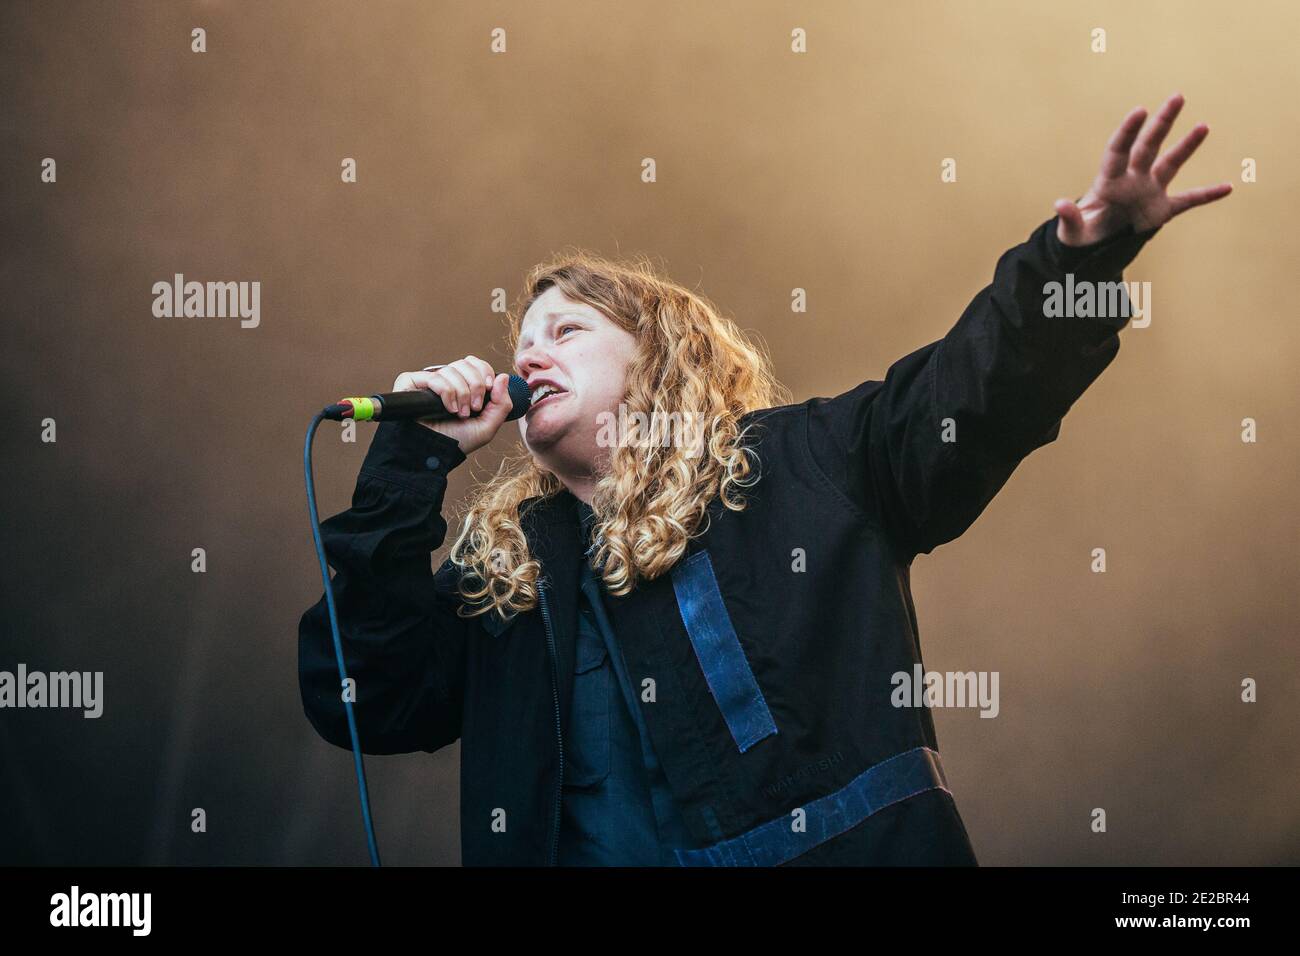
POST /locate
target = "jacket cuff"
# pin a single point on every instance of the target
(1099, 259)
(406, 452)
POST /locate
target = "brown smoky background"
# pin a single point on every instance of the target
(775, 171)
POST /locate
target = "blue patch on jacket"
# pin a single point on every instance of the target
(719, 652)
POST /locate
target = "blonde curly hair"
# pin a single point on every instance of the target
(655, 493)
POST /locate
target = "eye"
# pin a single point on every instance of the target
(565, 328)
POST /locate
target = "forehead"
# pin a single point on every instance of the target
(547, 308)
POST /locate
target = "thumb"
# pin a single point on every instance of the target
(1069, 227)
(495, 412)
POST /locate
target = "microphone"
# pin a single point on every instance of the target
(421, 403)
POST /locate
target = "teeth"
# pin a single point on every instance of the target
(543, 391)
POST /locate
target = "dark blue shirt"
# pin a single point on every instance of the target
(617, 808)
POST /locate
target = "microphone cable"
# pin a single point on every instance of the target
(338, 641)
(397, 405)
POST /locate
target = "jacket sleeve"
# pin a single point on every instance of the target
(403, 643)
(924, 451)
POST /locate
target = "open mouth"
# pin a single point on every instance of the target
(545, 394)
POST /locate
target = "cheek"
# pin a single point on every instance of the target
(611, 380)
(604, 396)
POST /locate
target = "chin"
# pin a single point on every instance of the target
(547, 428)
(542, 439)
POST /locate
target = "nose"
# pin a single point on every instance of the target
(531, 360)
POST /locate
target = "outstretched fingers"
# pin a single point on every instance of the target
(1166, 168)
(1197, 197)
(1148, 144)
(1115, 160)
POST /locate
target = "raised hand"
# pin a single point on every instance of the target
(1131, 186)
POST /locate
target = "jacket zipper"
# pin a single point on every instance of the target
(559, 738)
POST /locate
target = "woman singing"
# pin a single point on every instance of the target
(667, 634)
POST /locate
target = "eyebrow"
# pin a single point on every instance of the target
(548, 319)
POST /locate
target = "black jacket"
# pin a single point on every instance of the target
(766, 687)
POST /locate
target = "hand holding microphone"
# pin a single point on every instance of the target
(465, 400)
(469, 389)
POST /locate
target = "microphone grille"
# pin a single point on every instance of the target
(520, 398)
